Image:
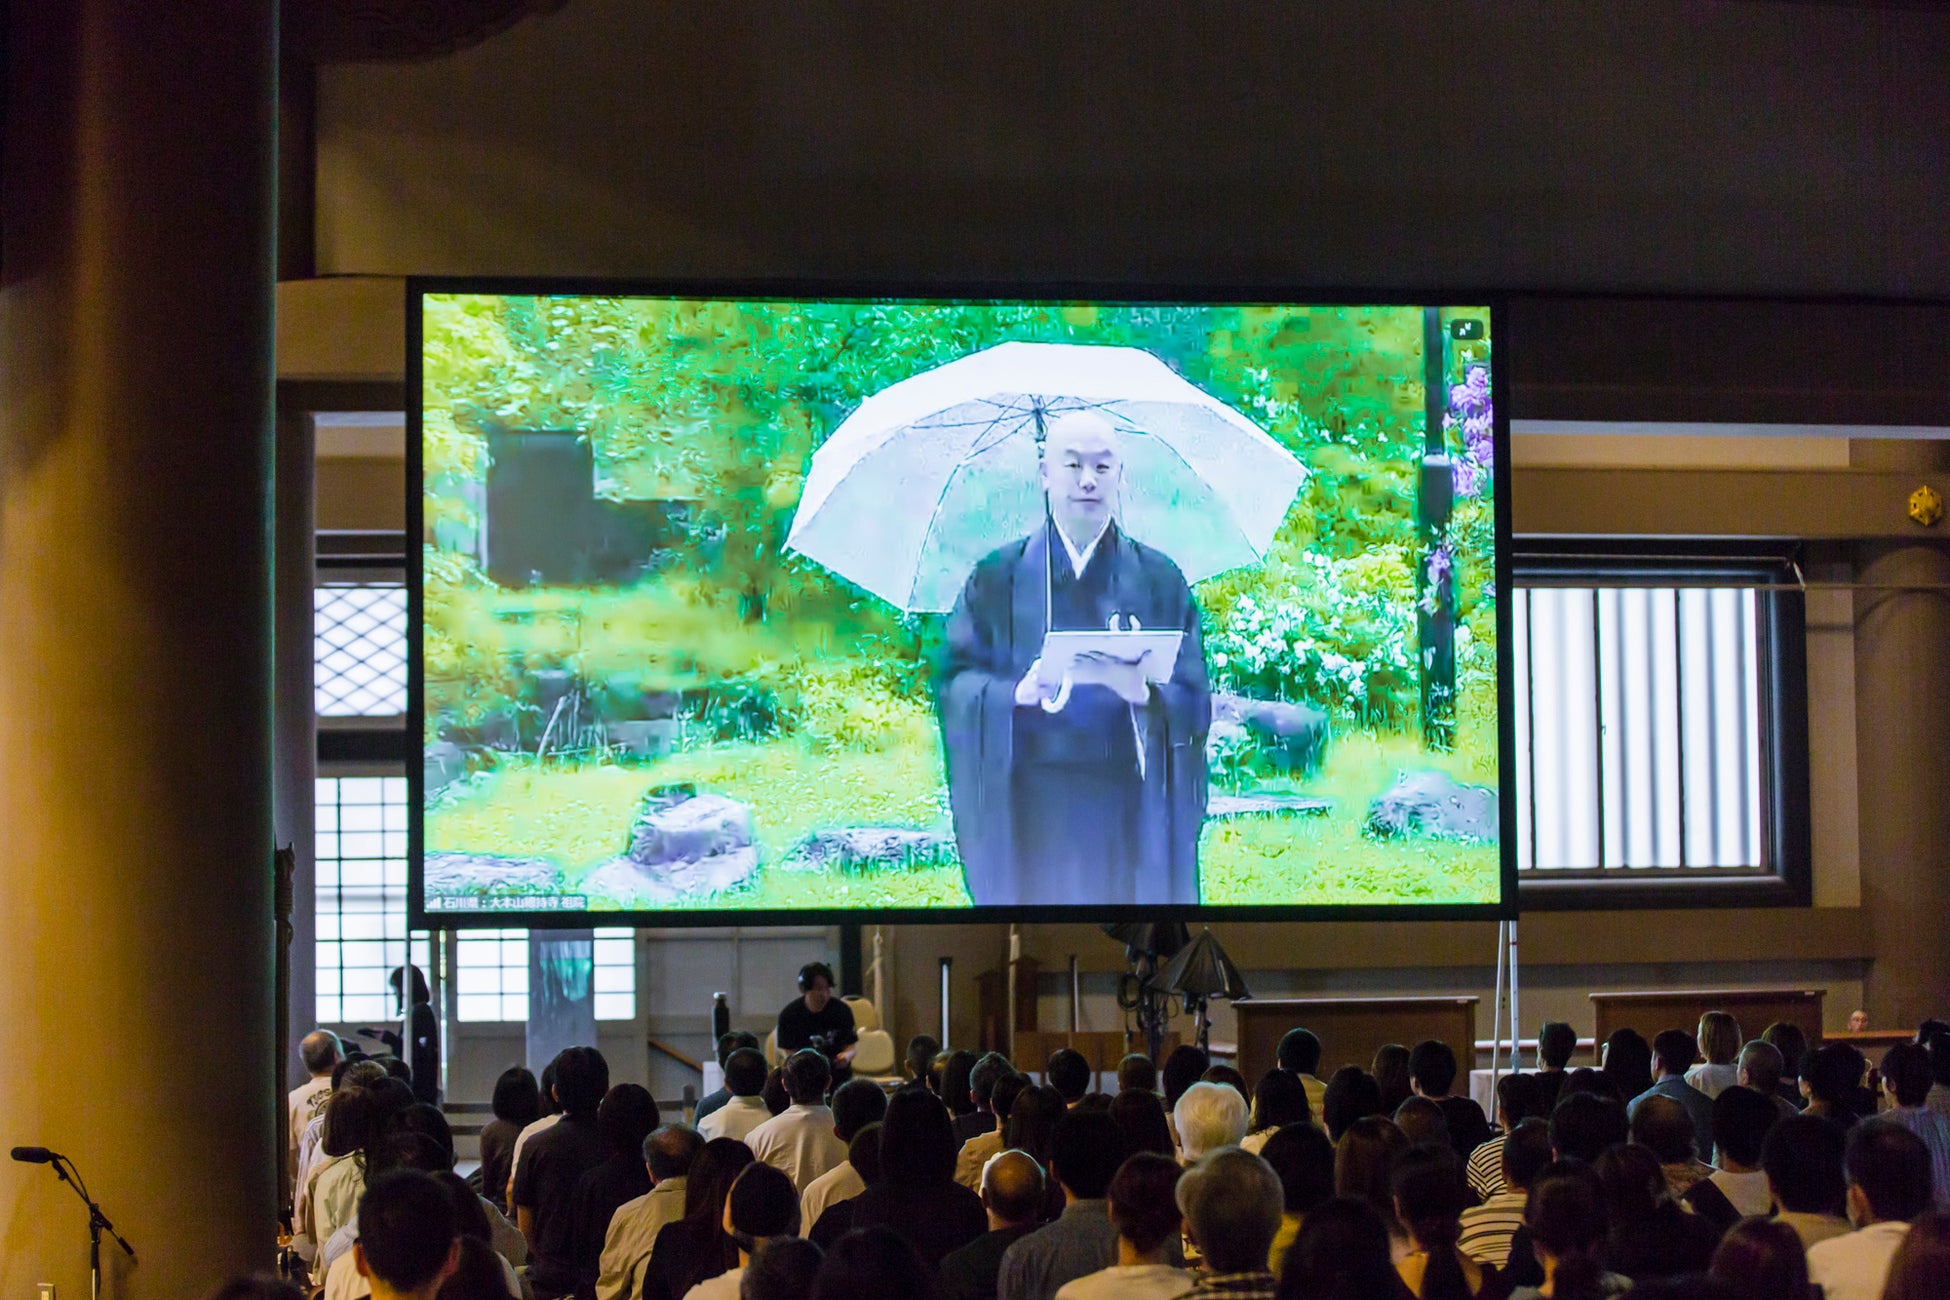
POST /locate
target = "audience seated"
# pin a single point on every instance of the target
(1596, 1082)
(917, 1195)
(1557, 1042)
(1364, 1168)
(856, 1104)
(1719, 1043)
(1626, 1060)
(762, 1205)
(1231, 1201)
(1736, 1189)
(550, 1116)
(1662, 1126)
(975, 1152)
(1085, 1153)
(1181, 1070)
(1673, 1052)
(875, 1262)
(1422, 1122)
(801, 1141)
(393, 1153)
(1487, 1229)
(777, 1099)
(1567, 1223)
(980, 1120)
(1144, 1211)
(1068, 1073)
(918, 1064)
(782, 1269)
(727, 1044)
(695, 1247)
(1351, 1094)
(1303, 1160)
(1922, 1262)
(320, 1052)
(1299, 1055)
(409, 1236)
(744, 1108)
(863, 1153)
(1802, 1158)
(1140, 1117)
(553, 1163)
(1012, 1198)
(517, 1104)
(1585, 1124)
(1759, 1067)
(1279, 1099)
(1888, 1171)
(1342, 1252)
(1519, 1096)
(1830, 1074)
(1650, 1235)
(1431, 1073)
(1208, 1116)
(1032, 1128)
(1390, 1071)
(1792, 1044)
(1137, 1073)
(1906, 1082)
(958, 1089)
(1760, 1259)
(668, 1154)
(1430, 1196)
(1230, 1077)
(626, 1117)
(1935, 1037)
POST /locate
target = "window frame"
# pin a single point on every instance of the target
(1772, 568)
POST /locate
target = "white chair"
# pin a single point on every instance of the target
(874, 1057)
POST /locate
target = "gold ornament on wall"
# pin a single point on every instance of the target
(1925, 506)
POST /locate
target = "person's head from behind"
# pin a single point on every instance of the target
(1002, 1099)
(863, 1153)
(1596, 1082)
(1920, 1264)
(256, 1286)
(1390, 1071)
(1568, 1221)
(989, 1071)
(734, 1041)
(874, 1262)
(1888, 1170)
(626, 1116)
(1351, 1094)
(917, 1141)
(1741, 1120)
(1137, 1073)
(1431, 1068)
(1302, 1158)
(581, 1081)
(816, 984)
(1279, 1099)
(745, 1073)
(1342, 1252)
(1143, 1204)
(1762, 1259)
(351, 1121)
(1906, 1074)
(550, 1105)
(1556, 1041)
(1627, 1061)
(1032, 1121)
(1013, 1187)
(856, 1104)
(1230, 1077)
(1937, 1043)
(1364, 1163)
(1081, 471)
(1430, 1196)
(321, 1052)
(1830, 1073)
(356, 1072)
(1526, 1150)
(1790, 1042)
(1069, 1073)
(1584, 1124)
(716, 1164)
(429, 1122)
(1635, 1185)
(921, 1051)
(1759, 1067)
(408, 1235)
(1673, 1052)
(1802, 1157)
(782, 1269)
(762, 1204)
(1719, 1037)
(773, 1094)
(1299, 1052)
(957, 1081)
(517, 1098)
(1518, 1097)
(1230, 1200)
(1182, 1069)
(1085, 1151)
(806, 1077)
(1208, 1116)
(1666, 1128)
(670, 1151)
(1422, 1122)
(1139, 1115)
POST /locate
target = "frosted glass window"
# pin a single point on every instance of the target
(360, 898)
(491, 974)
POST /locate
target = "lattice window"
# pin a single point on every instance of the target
(491, 974)
(361, 898)
(359, 649)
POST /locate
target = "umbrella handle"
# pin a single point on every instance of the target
(1117, 622)
(1062, 697)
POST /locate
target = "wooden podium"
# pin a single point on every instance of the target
(1755, 1009)
(1350, 1030)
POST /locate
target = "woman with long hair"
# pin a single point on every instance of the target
(1351, 1094)
(1430, 1196)
(1627, 1062)
(1565, 1213)
(1649, 1236)
(1390, 1071)
(1760, 1259)
(1364, 1168)
(1279, 1099)
(917, 1195)
(1140, 1117)
(1341, 1253)
(697, 1247)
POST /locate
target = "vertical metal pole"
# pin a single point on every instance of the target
(437, 986)
(1015, 956)
(878, 980)
(1516, 1061)
(1496, 1007)
(1076, 997)
(947, 963)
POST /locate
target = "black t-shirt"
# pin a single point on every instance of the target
(798, 1024)
(551, 1167)
(602, 1191)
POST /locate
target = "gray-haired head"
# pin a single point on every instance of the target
(1231, 1200)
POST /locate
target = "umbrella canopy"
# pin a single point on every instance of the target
(932, 473)
(1202, 970)
(1152, 938)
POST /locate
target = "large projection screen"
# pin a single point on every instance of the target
(753, 606)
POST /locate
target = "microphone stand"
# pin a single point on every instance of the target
(97, 1224)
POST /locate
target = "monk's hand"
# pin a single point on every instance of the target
(1126, 678)
(1032, 689)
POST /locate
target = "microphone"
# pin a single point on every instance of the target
(35, 1155)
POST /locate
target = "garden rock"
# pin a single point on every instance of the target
(1294, 736)
(627, 881)
(852, 848)
(1435, 803)
(444, 763)
(672, 828)
(478, 873)
(1274, 804)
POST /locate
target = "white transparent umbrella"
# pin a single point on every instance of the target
(932, 473)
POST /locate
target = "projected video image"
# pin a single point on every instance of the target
(773, 606)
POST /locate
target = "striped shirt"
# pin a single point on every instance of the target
(1934, 1129)
(1488, 1228)
(1485, 1168)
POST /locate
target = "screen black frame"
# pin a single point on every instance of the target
(417, 288)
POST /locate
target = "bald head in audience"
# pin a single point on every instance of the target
(1012, 1189)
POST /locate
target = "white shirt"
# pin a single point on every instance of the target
(521, 1140)
(722, 1287)
(840, 1183)
(1747, 1192)
(801, 1143)
(304, 1104)
(344, 1281)
(632, 1236)
(734, 1119)
(1855, 1265)
(1713, 1079)
(1129, 1282)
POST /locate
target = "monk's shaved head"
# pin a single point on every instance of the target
(1082, 470)
(1012, 1187)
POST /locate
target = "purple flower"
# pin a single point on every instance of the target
(1468, 476)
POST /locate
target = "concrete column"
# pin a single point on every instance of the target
(1902, 707)
(135, 638)
(296, 723)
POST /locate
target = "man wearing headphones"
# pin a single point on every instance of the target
(819, 1020)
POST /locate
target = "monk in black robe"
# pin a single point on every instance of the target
(1091, 794)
